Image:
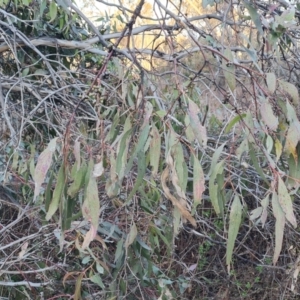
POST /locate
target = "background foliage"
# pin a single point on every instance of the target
(150, 154)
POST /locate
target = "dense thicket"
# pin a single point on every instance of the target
(151, 153)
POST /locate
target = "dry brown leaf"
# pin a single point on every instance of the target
(183, 211)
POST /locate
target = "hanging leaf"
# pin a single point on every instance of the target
(57, 194)
(271, 82)
(294, 170)
(235, 218)
(122, 154)
(140, 176)
(279, 226)
(76, 152)
(91, 204)
(183, 211)
(264, 214)
(285, 202)
(131, 236)
(268, 116)
(198, 129)
(291, 90)
(78, 181)
(229, 69)
(52, 11)
(254, 16)
(269, 144)
(249, 127)
(292, 139)
(139, 147)
(214, 188)
(198, 182)
(215, 158)
(42, 166)
(112, 186)
(181, 171)
(235, 120)
(242, 148)
(278, 149)
(155, 149)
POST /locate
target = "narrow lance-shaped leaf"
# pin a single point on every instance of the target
(229, 69)
(235, 120)
(214, 187)
(235, 218)
(42, 166)
(198, 129)
(285, 202)
(91, 204)
(140, 176)
(268, 116)
(254, 16)
(78, 181)
(57, 194)
(53, 11)
(183, 211)
(215, 158)
(131, 235)
(291, 90)
(181, 172)
(139, 147)
(76, 152)
(279, 226)
(91, 208)
(155, 150)
(292, 139)
(264, 215)
(122, 154)
(271, 82)
(198, 182)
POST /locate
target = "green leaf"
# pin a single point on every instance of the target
(249, 126)
(254, 16)
(180, 166)
(122, 154)
(97, 279)
(269, 144)
(78, 181)
(292, 139)
(155, 150)
(233, 122)
(279, 226)
(25, 72)
(119, 251)
(291, 90)
(268, 116)
(215, 158)
(256, 164)
(140, 176)
(242, 148)
(229, 69)
(198, 182)
(278, 149)
(131, 236)
(294, 170)
(91, 204)
(285, 202)
(57, 194)
(139, 147)
(52, 11)
(214, 188)
(271, 82)
(198, 129)
(235, 218)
